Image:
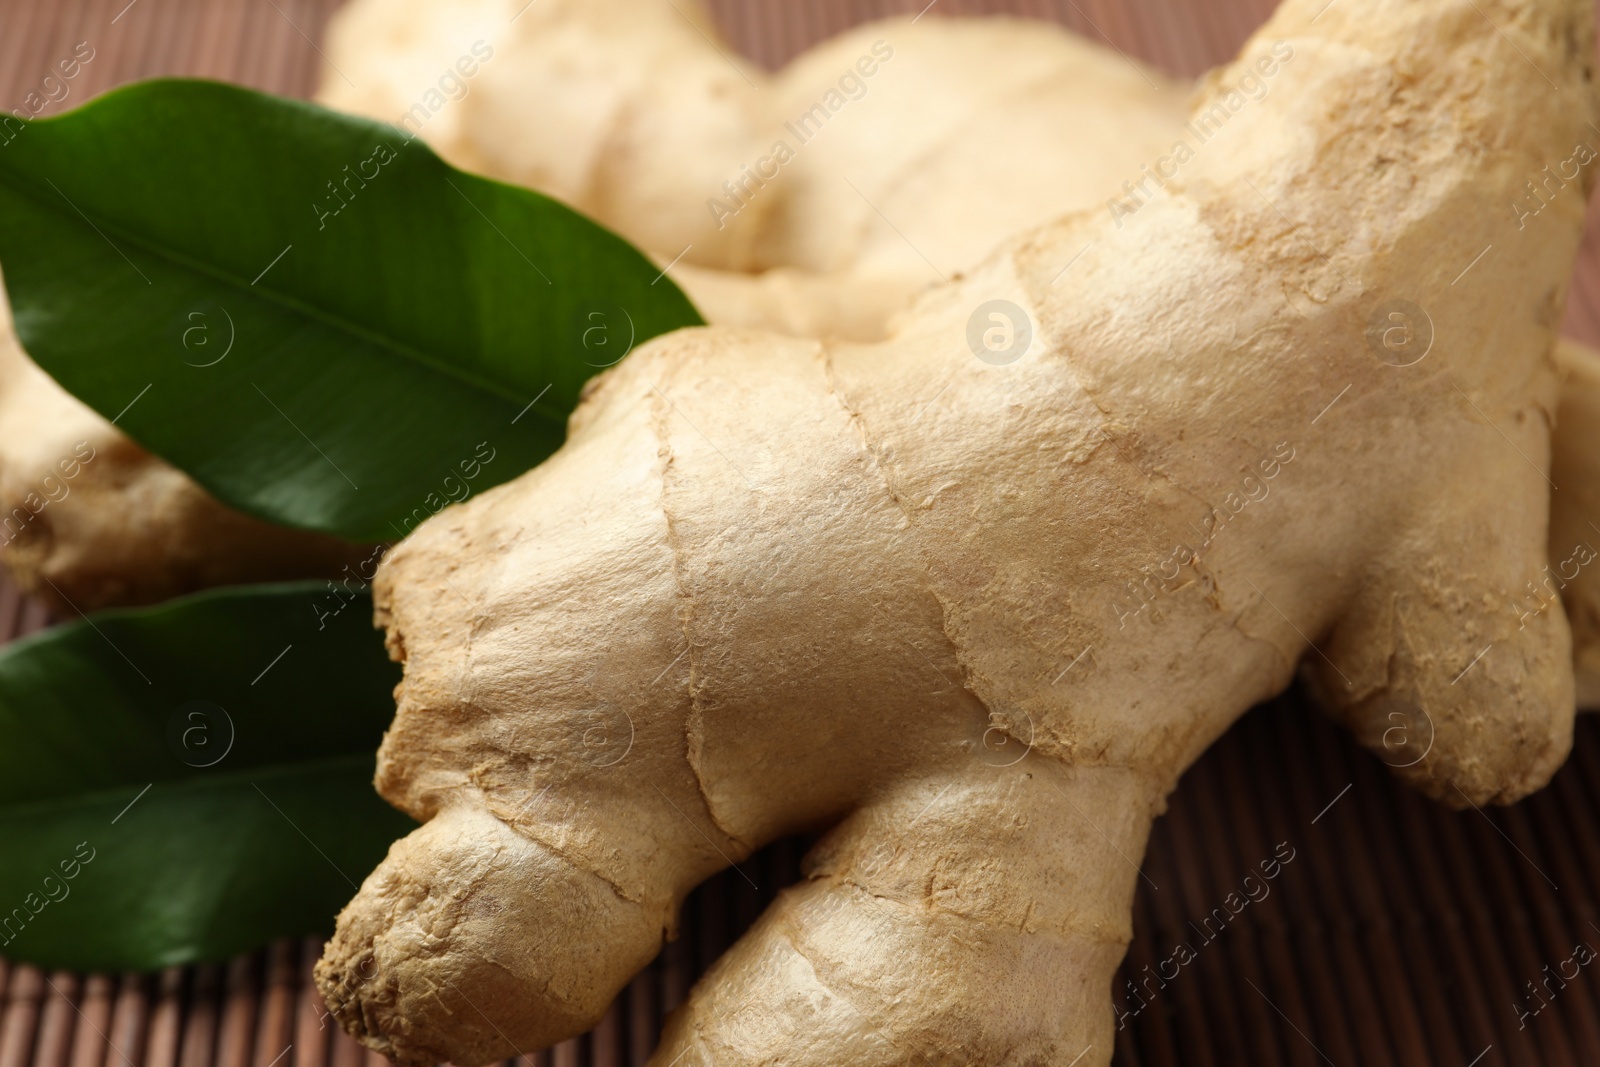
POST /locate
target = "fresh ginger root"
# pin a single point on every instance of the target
(882, 587)
(89, 519)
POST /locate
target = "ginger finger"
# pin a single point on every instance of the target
(631, 112)
(960, 917)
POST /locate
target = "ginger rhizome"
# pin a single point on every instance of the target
(878, 587)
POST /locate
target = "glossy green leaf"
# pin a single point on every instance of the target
(190, 781)
(311, 314)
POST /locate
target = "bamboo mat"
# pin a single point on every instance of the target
(1398, 934)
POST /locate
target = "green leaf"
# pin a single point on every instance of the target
(311, 314)
(189, 781)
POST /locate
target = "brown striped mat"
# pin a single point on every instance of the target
(1396, 934)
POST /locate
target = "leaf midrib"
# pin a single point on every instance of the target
(200, 783)
(271, 295)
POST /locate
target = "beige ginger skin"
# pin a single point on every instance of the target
(881, 587)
